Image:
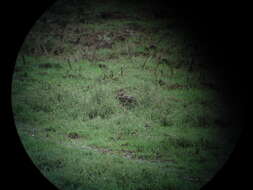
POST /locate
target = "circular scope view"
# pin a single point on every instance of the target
(118, 95)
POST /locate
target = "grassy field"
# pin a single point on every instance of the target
(106, 96)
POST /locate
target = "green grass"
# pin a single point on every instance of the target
(175, 136)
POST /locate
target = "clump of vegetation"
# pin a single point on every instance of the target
(103, 100)
(100, 103)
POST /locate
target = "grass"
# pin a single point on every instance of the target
(177, 134)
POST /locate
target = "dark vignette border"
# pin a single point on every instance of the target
(218, 25)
